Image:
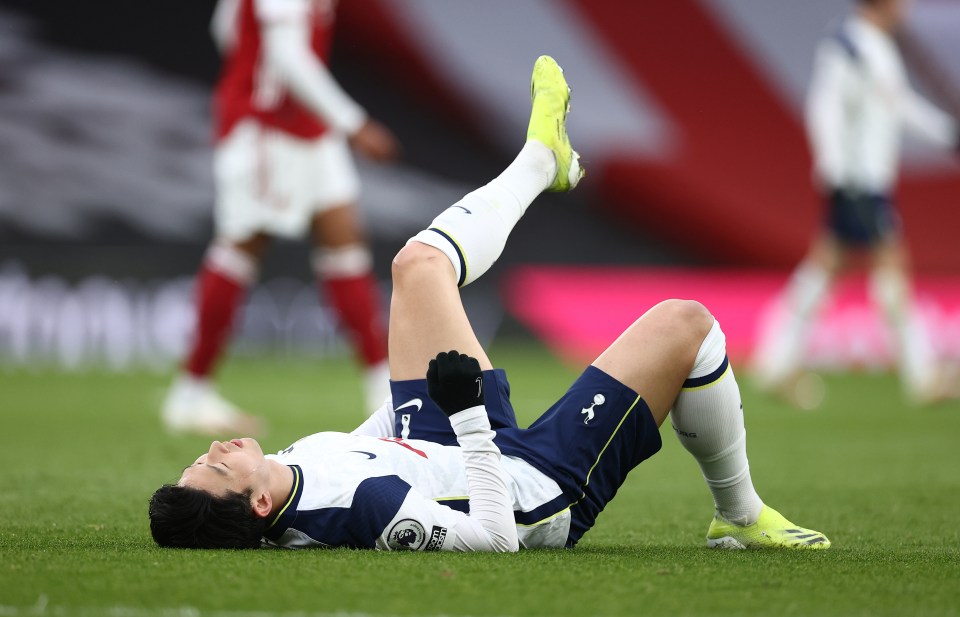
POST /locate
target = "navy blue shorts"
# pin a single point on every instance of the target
(587, 442)
(418, 417)
(861, 220)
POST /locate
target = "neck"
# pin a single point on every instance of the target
(281, 483)
(879, 18)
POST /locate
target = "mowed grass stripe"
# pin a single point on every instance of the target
(81, 453)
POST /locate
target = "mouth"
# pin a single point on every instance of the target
(237, 442)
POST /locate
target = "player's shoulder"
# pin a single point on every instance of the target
(840, 38)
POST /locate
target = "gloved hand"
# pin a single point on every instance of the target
(455, 382)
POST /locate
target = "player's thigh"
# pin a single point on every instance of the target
(656, 354)
(862, 220)
(426, 314)
(263, 182)
(891, 254)
(337, 226)
(332, 178)
(335, 189)
(827, 253)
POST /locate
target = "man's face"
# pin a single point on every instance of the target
(236, 465)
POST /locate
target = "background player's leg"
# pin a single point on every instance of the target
(890, 290)
(193, 404)
(344, 268)
(227, 272)
(779, 356)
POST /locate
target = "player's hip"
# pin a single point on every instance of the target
(273, 182)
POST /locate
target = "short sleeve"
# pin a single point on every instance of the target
(272, 11)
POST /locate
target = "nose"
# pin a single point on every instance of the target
(216, 450)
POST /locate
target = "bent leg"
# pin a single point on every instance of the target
(779, 355)
(426, 314)
(890, 290)
(460, 245)
(656, 354)
(709, 422)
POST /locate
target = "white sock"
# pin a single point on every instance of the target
(231, 262)
(473, 231)
(915, 354)
(781, 353)
(343, 261)
(708, 420)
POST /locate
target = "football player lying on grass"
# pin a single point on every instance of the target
(444, 465)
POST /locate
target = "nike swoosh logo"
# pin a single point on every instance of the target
(462, 208)
(411, 403)
(370, 454)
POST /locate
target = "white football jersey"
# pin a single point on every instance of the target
(859, 102)
(377, 492)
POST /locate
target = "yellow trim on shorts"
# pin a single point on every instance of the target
(712, 383)
(541, 521)
(612, 435)
(599, 456)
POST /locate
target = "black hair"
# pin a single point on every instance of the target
(185, 517)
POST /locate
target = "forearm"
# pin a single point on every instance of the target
(491, 506)
(926, 121)
(288, 55)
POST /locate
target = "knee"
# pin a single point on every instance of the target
(252, 247)
(416, 260)
(687, 317)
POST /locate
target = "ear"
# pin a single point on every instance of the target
(262, 503)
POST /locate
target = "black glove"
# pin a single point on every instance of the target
(455, 382)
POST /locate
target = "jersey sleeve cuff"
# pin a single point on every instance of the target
(470, 420)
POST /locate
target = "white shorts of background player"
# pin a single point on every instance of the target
(270, 181)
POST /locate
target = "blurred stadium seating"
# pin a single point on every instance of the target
(687, 113)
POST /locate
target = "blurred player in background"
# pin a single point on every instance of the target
(282, 164)
(858, 102)
(443, 464)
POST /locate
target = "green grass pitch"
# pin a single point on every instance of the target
(81, 454)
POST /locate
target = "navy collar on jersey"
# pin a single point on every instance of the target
(288, 513)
